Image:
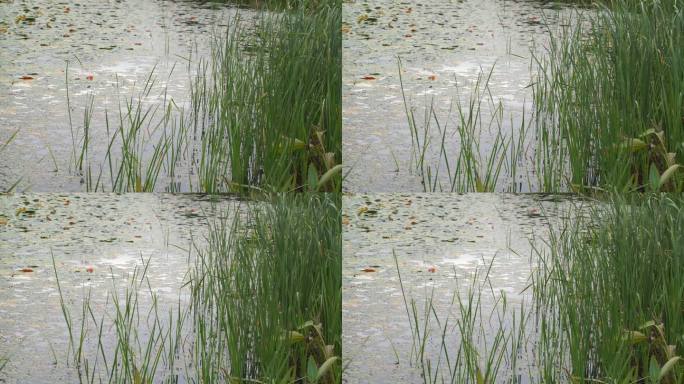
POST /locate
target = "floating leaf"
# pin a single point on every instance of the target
(369, 77)
(368, 270)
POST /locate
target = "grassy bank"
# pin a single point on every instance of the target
(264, 305)
(264, 113)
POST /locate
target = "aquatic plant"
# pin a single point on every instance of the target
(3, 146)
(142, 351)
(264, 114)
(267, 298)
(264, 305)
(478, 155)
(612, 290)
(472, 346)
(609, 99)
(272, 117)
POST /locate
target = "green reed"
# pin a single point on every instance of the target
(609, 100)
(478, 155)
(264, 114)
(267, 294)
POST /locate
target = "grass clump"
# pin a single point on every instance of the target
(262, 303)
(134, 343)
(462, 348)
(264, 114)
(609, 112)
(268, 301)
(271, 114)
(610, 100)
(478, 155)
(607, 307)
(614, 293)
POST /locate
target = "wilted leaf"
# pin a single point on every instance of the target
(325, 367)
(668, 367)
(634, 337)
(667, 175)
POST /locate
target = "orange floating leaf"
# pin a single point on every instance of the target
(368, 78)
(26, 270)
(368, 270)
(25, 77)
(432, 269)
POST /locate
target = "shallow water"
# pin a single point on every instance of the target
(97, 241)
(444, 46)
(112, 47)
(440, 241)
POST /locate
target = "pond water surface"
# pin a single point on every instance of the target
(440, 242)
(444, 46)
(111, 47)
(97, 242)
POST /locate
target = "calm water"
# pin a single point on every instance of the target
(443, 46)
(440, 241)
(97, 241)
(112, 47)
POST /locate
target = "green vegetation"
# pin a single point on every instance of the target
(608, 293)
(610, 100)
(612, 294)
(265, 114)
(607, 305)
(608, 115)
(479, 166)
(466, 351)
(271, 115)
(265, 291)
(265, 305)
(273, 294)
